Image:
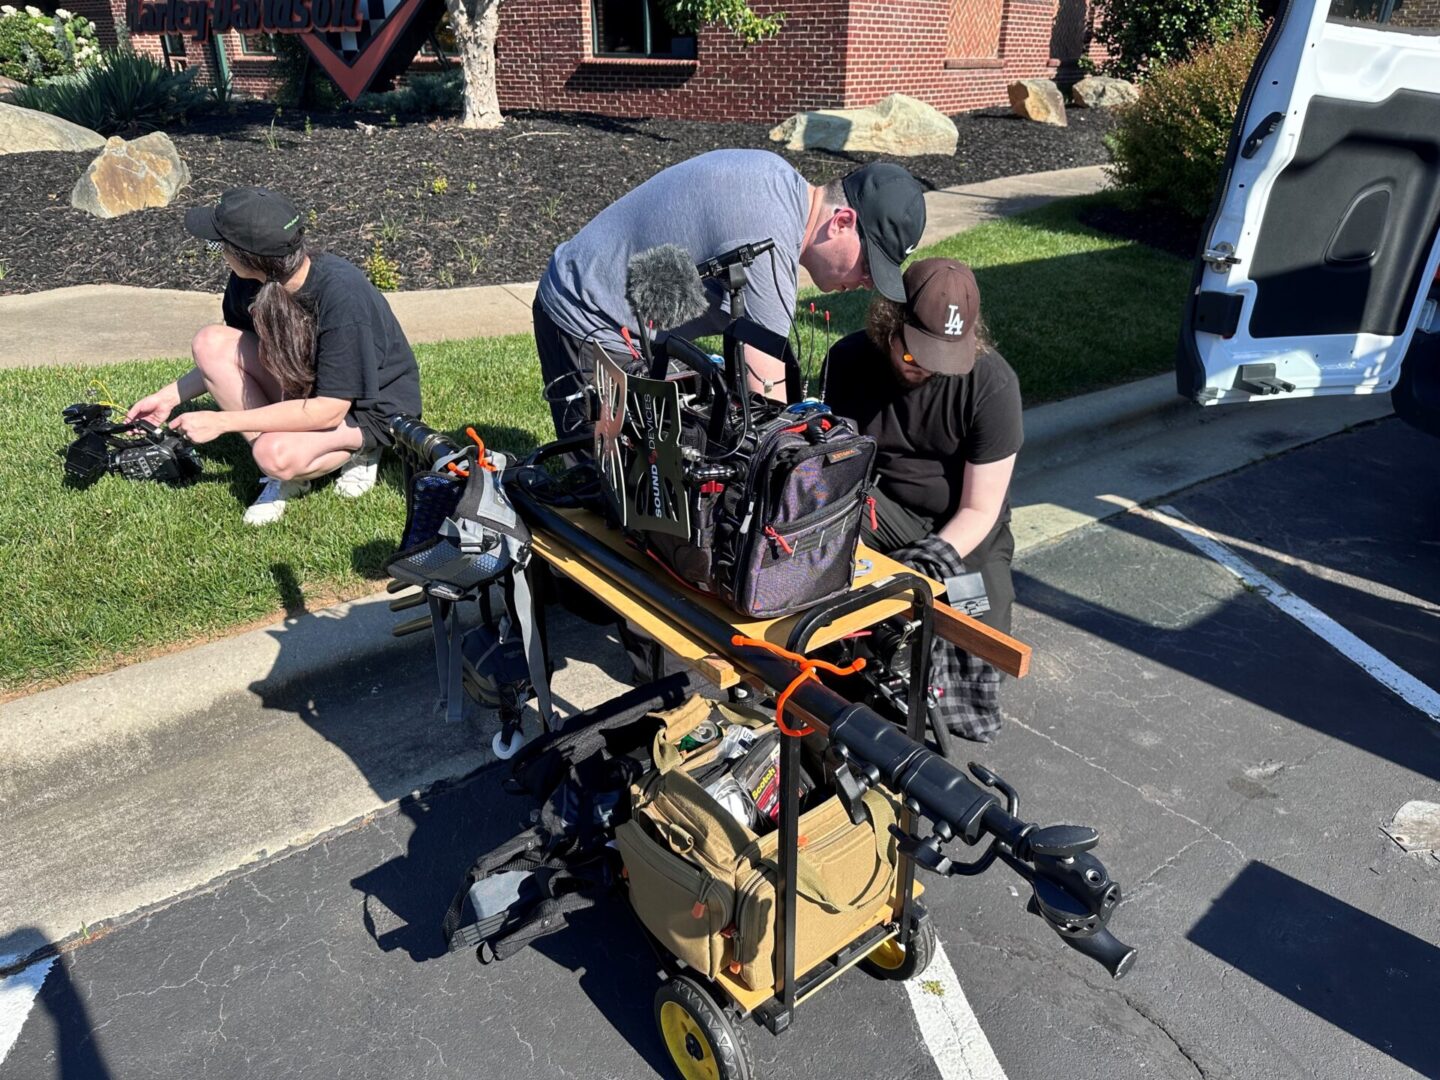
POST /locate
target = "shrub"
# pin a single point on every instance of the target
(1144, 35)
(1169, 146)
(422, 95)
(302, 84)
(35, 47)
(688, 16)
(382, 271)
(123, 92)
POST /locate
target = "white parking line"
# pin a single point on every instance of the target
(17, 994)
(1376, 664)
(953, 1034)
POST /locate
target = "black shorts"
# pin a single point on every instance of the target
(373, 430)
(567, 371)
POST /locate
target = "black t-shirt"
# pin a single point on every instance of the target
(361, 354)
(926, 433)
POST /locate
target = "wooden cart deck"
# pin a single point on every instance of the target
(667, 628)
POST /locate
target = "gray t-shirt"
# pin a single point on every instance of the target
(708, 205)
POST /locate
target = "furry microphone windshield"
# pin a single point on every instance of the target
(663, 287)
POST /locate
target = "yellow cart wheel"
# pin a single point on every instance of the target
(889, 961)
(699, 1038)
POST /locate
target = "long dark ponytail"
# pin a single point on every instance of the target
(285, 326)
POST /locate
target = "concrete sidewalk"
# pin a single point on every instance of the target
(89, 324)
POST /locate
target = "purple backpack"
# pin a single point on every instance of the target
(782, 536)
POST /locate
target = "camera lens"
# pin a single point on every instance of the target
(424, 442)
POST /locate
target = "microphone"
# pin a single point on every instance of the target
(745, 254)
(662, 287)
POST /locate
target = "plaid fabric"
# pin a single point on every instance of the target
(969, 687)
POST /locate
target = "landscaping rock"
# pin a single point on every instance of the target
(7, 85)
(1102, 92)
(1038, 99)
(898, 125)
(23, 131)
(129, 176)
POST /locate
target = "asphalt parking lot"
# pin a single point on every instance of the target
(1239, 768)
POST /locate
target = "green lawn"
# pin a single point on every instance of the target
(1071, 309)
(96, 577)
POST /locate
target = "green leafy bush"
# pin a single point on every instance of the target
(1169, 146)
(302, 84)
(688, 16)
(1144, 35)
(383, 272)
(422, 95)
(123, 92)
(36, 47)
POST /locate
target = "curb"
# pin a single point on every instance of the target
(1058, 432)
(75, 719)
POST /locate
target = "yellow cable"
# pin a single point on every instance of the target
(96, 388)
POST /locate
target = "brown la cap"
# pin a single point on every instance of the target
(942, 307)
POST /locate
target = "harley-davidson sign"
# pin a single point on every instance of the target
(360, 44)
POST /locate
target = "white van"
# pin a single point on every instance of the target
(1318, 269)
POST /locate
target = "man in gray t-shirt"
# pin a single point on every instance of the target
(850, 234)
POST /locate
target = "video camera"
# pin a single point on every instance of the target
(98, 448)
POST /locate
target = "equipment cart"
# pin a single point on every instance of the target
(702, 1020)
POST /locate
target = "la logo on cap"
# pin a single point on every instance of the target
(954, 325)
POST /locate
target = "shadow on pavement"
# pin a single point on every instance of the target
(1228, 650)
(76, 1050)
(1364, 976)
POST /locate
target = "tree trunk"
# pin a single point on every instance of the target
(475, 23)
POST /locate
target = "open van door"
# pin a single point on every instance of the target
(1318, 265)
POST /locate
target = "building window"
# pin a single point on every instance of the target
(172, 51)
(1422, 16)
(633, 28)
(445, 35)
(257, 44)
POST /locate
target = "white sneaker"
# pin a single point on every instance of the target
(270, 505)
(357, 475)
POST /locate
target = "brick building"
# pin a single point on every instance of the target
(619, 57)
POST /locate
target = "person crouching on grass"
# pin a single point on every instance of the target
(308, 366)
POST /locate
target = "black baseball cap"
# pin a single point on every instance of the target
(942, 310)
(252, 219)
(889, 206)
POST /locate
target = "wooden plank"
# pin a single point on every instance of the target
(1002, 650)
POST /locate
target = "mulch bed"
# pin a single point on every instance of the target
(1154, 225)
(448, 207)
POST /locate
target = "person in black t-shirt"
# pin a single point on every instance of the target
(945, 412)
(308, 366)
